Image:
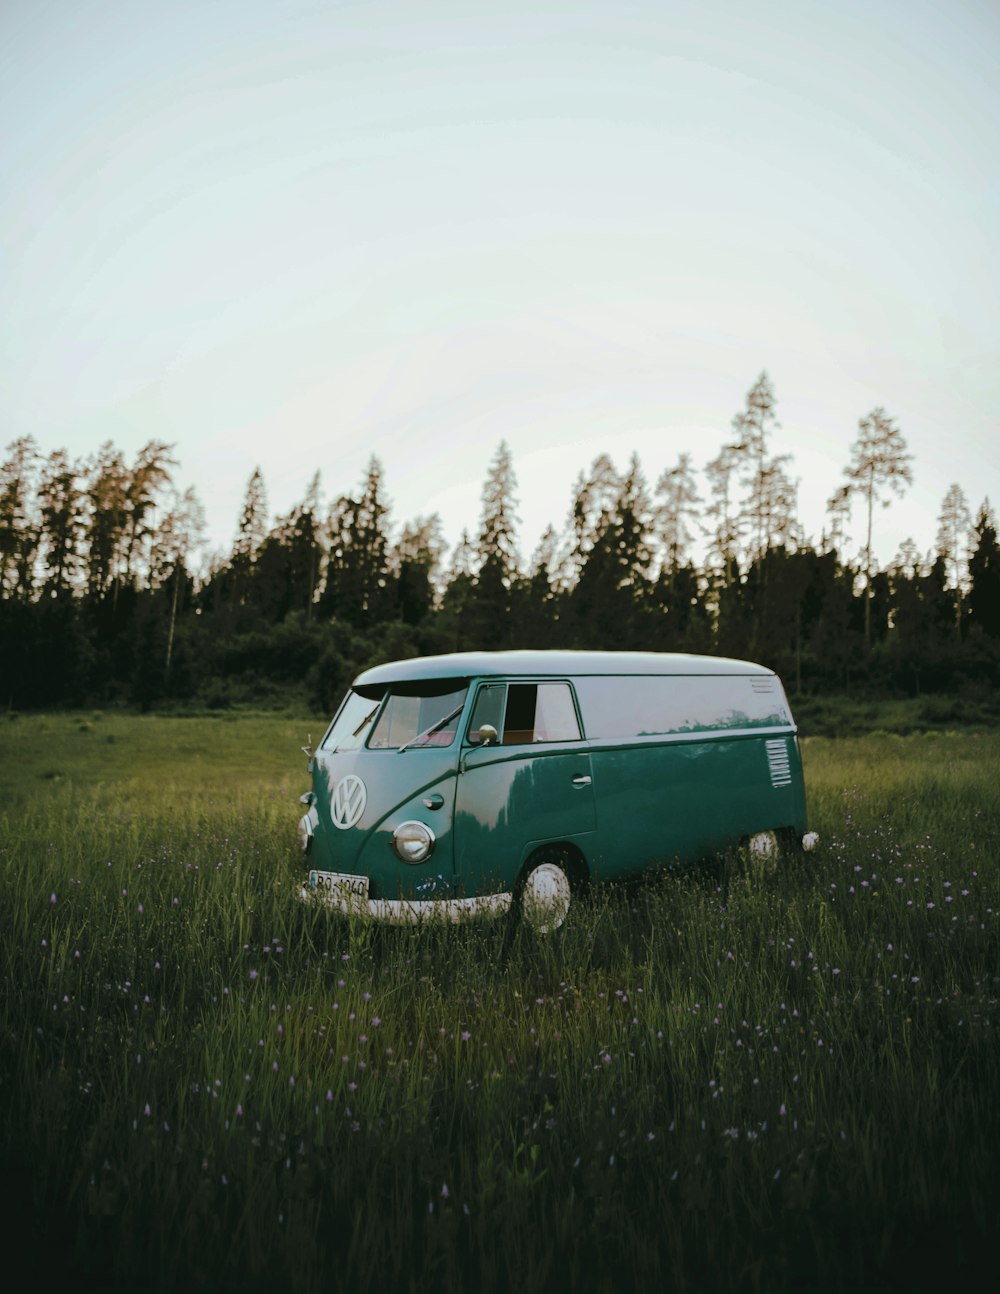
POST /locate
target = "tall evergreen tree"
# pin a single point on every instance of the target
(457, 599)
(879, 461)
(838, 508)
(611, 591)
(678, 506)
(496, 553)
(61, 506)
(308, 528)
(416, 560)
(20, 530)
(180, 533)
(253, 524)
(769, 508)
(540, 595)
(984, 574)
(149, 475)
(954, 531)
(106, 488)
(370, 544)
(920, 616)
(357, 576)
(725, 535)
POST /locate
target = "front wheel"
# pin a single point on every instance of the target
(546, 894)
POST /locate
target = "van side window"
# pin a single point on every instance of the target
(534, 712)
(488, 709)
(656, 706)
(555, 714)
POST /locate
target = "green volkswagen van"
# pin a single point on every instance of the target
(456, 786)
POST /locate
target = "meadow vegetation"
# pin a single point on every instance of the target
(746, 1075)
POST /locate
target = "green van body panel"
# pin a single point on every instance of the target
(679, 800)
(678, 757)
(512, 799)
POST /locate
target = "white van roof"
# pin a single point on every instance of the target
(558, 664)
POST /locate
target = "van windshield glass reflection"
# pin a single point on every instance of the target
(351, 724)
(412, 721)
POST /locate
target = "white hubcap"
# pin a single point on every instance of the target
(546, 898)
(764, 844)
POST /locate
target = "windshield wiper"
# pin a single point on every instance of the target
(366, 720)
(428, 732)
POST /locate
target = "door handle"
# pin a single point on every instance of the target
(434, 801)
(581, 779)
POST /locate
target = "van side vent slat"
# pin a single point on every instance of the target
(777, 762)
(762, 684)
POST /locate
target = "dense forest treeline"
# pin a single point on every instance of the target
(99, 603)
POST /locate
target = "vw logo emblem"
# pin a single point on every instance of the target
(348, 803)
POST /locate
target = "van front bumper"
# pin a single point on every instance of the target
(348, 895)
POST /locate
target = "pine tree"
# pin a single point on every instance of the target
(179, 534)
(106, 491)
(838, 509)
(984, 574)
(540, 593)
(954, 531)
(416, 560)
(150, 474)
(769, 509)
(61, 505)
(496, 553)
(253, 527)
(457, 599)
(611, 591)
(679, 503)
(879, 461)
(20, 530)
(356, 580)
(726, 532)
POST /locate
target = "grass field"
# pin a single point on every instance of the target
(746, 1077)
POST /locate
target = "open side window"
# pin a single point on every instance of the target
(525, 713)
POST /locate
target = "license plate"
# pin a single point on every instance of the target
(336, 888)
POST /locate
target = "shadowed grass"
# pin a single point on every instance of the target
(750, 1075)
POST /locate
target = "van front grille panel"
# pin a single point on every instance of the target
(778, 763)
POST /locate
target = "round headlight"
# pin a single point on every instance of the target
(413, 841)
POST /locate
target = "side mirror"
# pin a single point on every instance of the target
(488, 735)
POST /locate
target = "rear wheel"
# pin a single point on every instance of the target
(764, 844)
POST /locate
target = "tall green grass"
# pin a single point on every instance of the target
(759, 1076)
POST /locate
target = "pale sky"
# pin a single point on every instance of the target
(294, 234)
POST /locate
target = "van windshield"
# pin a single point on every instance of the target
(351, 724)
(412, 718)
